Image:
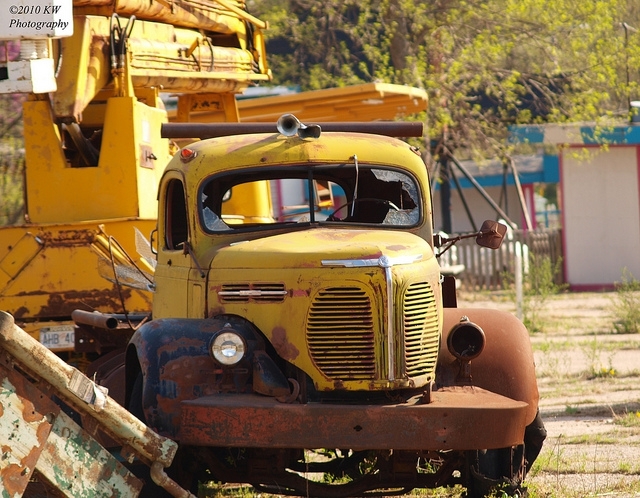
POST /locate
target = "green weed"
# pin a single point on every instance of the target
(625, 308)
(571, 410)
(631, 419)
(539, 286)
(596, 369)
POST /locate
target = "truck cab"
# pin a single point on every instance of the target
(284, 349)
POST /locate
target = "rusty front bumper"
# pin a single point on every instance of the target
(460, 418)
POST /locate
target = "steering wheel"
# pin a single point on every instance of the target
(332, 216)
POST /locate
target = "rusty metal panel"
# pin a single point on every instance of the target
(83, 395)
(459, 418)
(36, 434)
(64, 455)
(25, 418)
(74, 463)
(506, 364)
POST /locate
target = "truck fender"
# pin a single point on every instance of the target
(505, 365)
(173, 357)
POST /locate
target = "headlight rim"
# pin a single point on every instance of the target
(219, 339)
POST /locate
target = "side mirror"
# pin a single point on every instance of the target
(491, 234)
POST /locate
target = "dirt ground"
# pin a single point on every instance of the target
(590, 396)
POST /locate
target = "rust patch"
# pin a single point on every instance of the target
(20, 312)
(183, 378)
(213, 312)
(338, 235)
(12, 480)
(172, 344)
(30, 406)
(299, 293)
(29, 412)
(68, 238)
(307, 264)
(453, 421)
(397, 247)
(64, 303)
(285, 349)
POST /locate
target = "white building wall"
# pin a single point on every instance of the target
(479, 207)
(601, 215)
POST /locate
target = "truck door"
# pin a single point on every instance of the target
(174, 262)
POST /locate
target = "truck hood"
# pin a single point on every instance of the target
(319, 247)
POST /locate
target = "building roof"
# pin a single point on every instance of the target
(533, 168)
(577, 134)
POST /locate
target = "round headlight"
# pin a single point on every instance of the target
(227, 348)
(466, 340)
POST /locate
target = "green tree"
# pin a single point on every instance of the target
(486, 64)
(11, 150)
(11, 159)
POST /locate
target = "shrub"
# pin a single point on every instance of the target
(625, 307)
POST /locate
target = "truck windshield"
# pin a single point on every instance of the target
(326, 194)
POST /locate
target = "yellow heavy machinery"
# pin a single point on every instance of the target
(95, 71)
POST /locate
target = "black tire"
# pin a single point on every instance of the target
(500, 470)
(139, 469)
(534, 436)
(151, 490)
(135, 403)
(505, 469)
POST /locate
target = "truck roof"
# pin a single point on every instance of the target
(274, 149)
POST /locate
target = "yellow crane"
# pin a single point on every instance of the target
(94, 72)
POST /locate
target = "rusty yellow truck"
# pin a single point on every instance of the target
(316, 355)
(324, 355)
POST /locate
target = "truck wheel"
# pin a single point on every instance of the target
(139, 469)
(186, 479)
(135, 403)
(505, 469)
(534, 436)
(501, 470)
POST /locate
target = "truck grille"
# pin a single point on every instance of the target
(421, 332)
(243, 293)
(340, 333)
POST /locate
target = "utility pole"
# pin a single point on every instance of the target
(445, 192)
